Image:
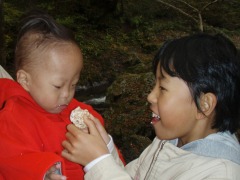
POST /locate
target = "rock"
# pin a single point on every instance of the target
(128, 114)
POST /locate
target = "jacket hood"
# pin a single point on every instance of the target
(10, 88)
(218, 145)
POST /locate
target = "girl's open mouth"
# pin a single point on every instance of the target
(155, 118)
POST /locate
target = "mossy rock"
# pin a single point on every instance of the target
(129, 115)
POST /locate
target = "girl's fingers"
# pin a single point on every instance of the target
(67, 155)
(67, 145)
(78, 132)
(95, 120)
(73, 130)
(91, 127)
(74, 134)
(96, 128)
(69, 151)
(78, 144)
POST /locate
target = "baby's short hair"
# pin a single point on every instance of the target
(38, 32)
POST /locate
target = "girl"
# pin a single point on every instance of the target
(195, 105)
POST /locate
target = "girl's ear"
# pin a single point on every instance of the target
(23, 79)
(207, 103)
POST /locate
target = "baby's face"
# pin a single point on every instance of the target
(173, 107)
(52, 85)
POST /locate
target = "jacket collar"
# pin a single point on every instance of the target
(218, 145)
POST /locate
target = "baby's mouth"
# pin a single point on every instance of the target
(62, 106)
(155, 118)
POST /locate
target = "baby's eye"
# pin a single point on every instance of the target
(57, 87)
(74, 85)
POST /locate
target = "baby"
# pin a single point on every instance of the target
(36, 108)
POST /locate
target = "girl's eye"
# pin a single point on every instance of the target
(162, 88)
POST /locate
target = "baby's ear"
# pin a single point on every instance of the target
(207, 103)
(23, 79)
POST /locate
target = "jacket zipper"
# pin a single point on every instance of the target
(154, 159)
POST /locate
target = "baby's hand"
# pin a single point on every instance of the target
(53, 173)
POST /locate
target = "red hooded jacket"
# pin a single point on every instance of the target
(30, 137)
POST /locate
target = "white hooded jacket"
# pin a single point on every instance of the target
(215, 157)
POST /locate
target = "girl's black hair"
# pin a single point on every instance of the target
(207, 63)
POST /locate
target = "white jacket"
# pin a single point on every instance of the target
(163, 160)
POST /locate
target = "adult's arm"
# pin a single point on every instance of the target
(4, 73)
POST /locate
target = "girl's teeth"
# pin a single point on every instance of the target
(155, 116)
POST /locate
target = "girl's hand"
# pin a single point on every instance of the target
(52, 173)
(100, 129)
(81, 147)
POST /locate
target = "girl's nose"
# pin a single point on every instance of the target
(152, 96)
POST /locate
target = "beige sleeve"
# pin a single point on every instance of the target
(4, 73)
(107, 169)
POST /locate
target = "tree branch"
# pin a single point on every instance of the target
(189, 5)
(209, 4)
(179, 10)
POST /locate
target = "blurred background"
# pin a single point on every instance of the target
(118, 39)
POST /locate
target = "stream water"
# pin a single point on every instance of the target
(94, 95)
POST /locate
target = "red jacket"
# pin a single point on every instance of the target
(30, 137)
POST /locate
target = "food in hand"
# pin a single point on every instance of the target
(77, 116)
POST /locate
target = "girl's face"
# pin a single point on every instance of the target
(52, 84)
(173, 109)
